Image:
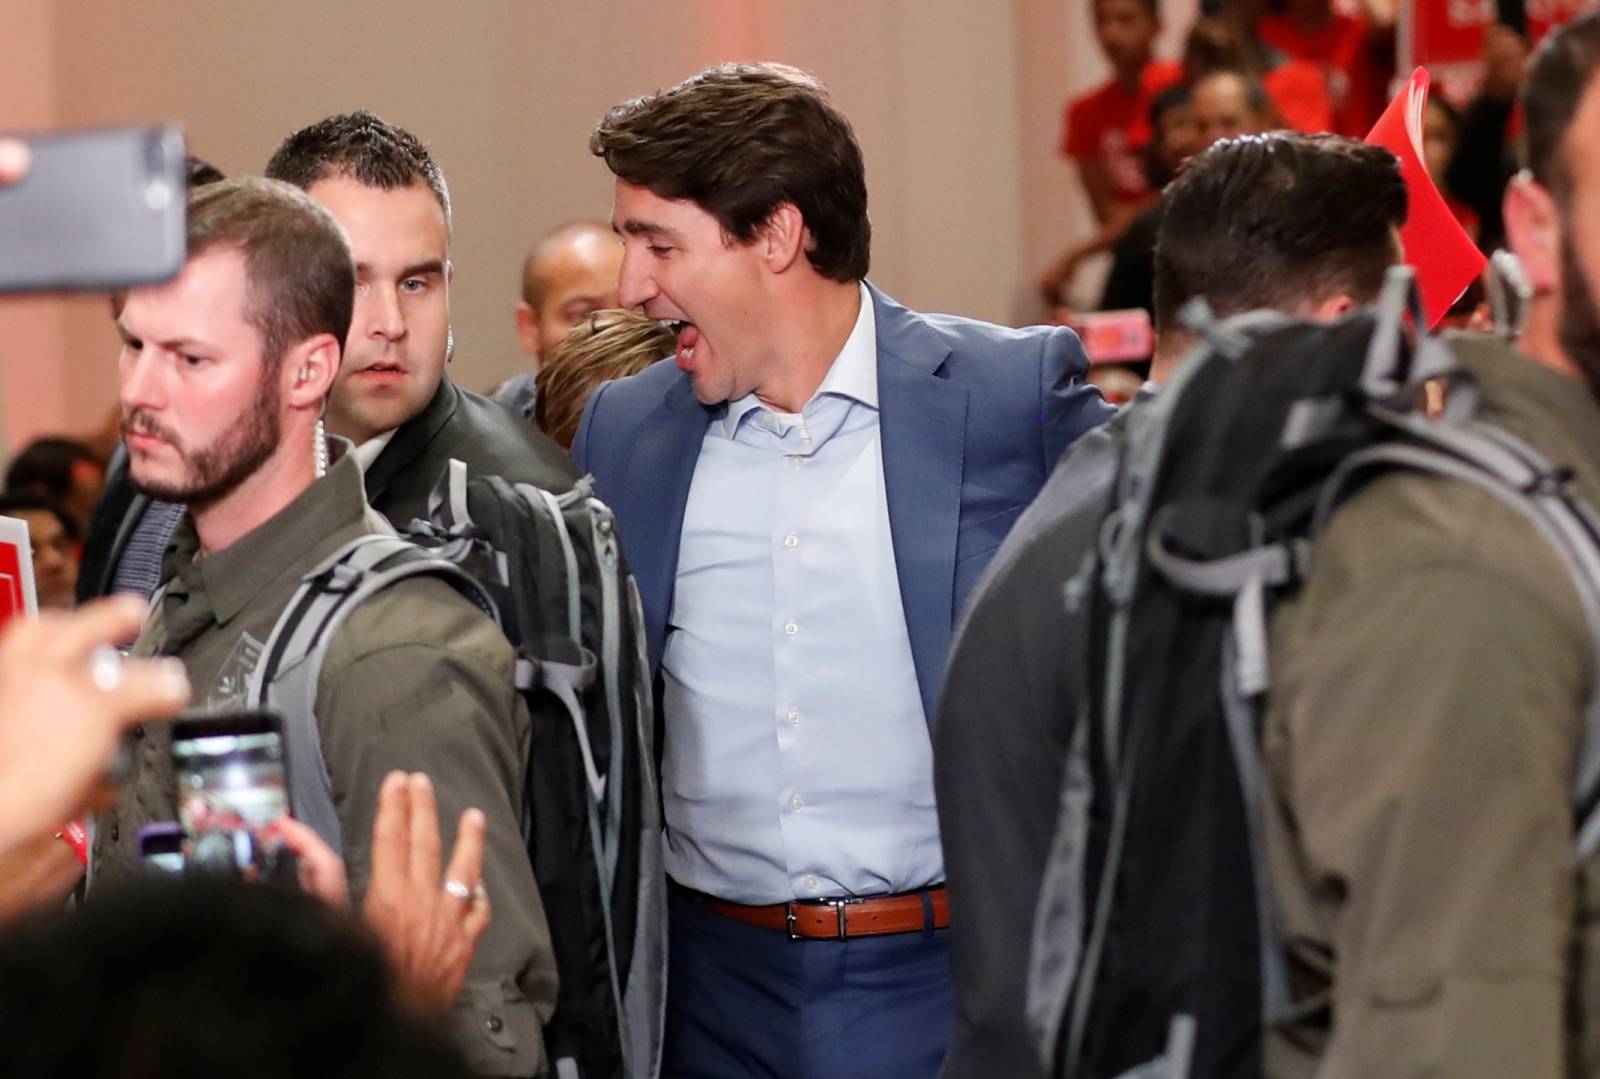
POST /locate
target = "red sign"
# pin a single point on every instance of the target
(1545, 15)
(1444, 256)
(16, 570)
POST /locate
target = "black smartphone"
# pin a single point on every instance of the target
(233, 783)
(98, 210)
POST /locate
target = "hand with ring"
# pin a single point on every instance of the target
(430, 923)
(429, 928)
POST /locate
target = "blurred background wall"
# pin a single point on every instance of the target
(957, 104)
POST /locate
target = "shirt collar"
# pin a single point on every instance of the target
(853, 374)
(368, 451)
(234, 576)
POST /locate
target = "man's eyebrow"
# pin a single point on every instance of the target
(634, 227)
(174, 344)
(423, 268)
(416, 269)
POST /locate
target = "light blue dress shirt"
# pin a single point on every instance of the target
(798, 763)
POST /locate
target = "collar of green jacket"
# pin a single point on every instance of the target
(1528, 398)
(235, 575)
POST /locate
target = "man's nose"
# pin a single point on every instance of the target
(383, 315)
(140, 381)
(636, 285)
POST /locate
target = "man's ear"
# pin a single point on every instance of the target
(308, 371)
(1533, 229)
(783, 237)
(1331, 307)
(527, 329)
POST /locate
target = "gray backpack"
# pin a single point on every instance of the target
(549, 570)
(1155, 952)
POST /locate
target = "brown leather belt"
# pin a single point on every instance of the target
(841, 919)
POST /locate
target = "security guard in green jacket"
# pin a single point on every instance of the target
(1429, 687)
(223, 375)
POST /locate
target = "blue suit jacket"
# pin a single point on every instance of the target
(973, 417)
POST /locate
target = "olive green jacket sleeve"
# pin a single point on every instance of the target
(1426, 702)
(419, 680)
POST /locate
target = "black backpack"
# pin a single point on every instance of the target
(550, 570)
(1155, 953)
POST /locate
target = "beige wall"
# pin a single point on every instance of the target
(957, 104)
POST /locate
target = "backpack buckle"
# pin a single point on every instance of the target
(1553, 482)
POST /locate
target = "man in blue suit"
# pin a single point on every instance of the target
(806, 492)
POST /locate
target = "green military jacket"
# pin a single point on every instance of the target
(1428, 690)
(417, 679)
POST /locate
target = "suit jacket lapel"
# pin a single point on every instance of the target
(922, 418)
(657, 476)
(410, 439)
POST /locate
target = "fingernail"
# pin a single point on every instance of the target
(177, 678)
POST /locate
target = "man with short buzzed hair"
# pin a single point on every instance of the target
(569, 275)
(392, 398)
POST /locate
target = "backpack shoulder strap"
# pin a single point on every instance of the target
(287, 678)
(1498, 462)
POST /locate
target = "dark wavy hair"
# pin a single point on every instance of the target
(740, 139)
(1270, 221)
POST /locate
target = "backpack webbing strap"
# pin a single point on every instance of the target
(646, 998)
(604, 833)
(540, 499)
(287, 678)
(1473, 457)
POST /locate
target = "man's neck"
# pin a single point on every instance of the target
(1541, 338)
(811, 333)
(255, 501)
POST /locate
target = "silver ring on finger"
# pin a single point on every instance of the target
(457, 890)
(105, 669)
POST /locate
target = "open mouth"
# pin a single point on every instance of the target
(383, 368)
(688, 337)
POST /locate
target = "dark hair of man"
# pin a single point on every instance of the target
(1275, 220)
(15, 502)
(741, 139)
(198, 171)
(1558, 75)
(202, 978)
(302, 281)
(359, 146)
(605, 346)
(45, 466)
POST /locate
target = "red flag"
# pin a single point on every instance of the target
(1437, 247)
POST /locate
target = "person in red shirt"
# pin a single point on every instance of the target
(1353, 52)
(1226, 41)
(1106, 129)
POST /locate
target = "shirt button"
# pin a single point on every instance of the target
(796, 803)
(812, 884)
(116, 833)
(494, 1024)
(791, 541)
(138, 731)
(790, 628)
(793, 717)
(794, 462)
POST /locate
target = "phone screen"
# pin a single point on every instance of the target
(232, 784)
